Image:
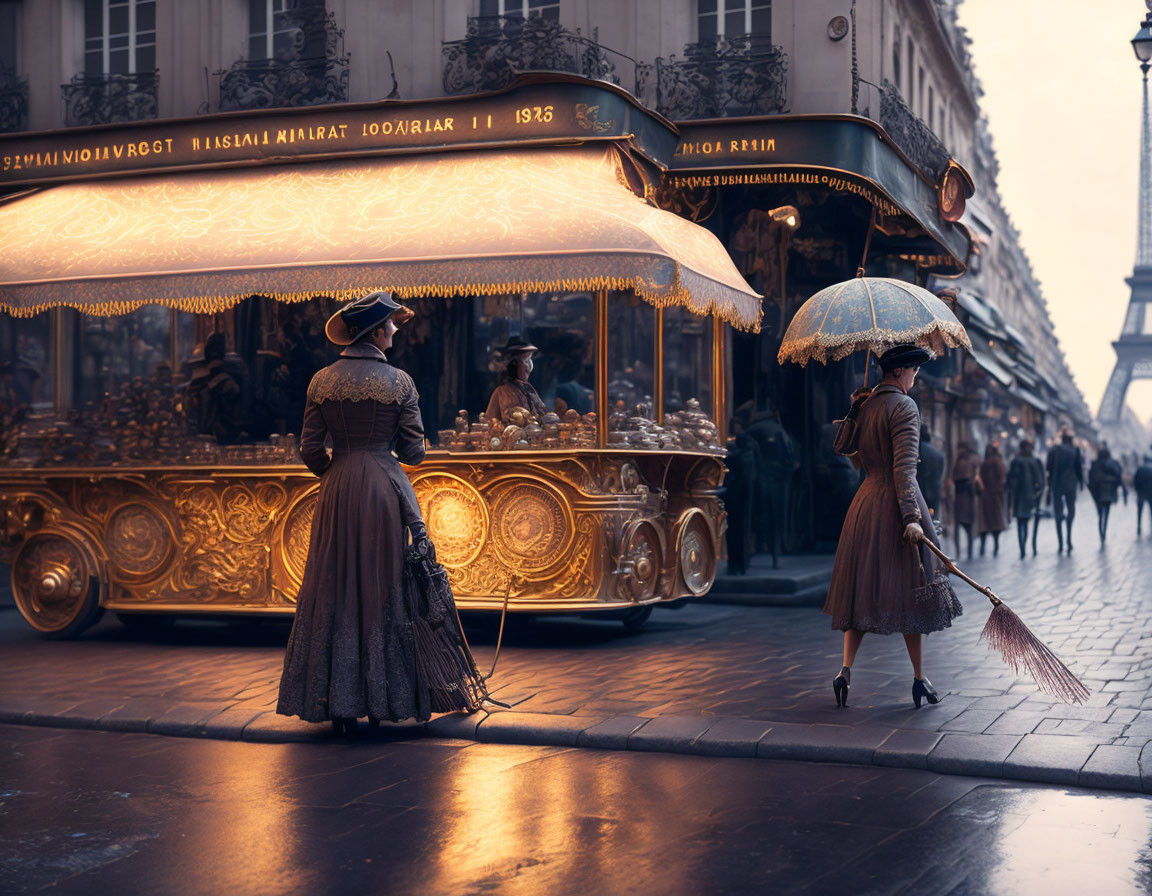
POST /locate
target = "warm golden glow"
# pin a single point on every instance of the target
(475, 223)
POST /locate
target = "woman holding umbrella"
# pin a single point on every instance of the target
(882, 581)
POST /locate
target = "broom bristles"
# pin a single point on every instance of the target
(1007, 634)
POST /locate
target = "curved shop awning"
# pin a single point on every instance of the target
(463, 223)
(839, 153)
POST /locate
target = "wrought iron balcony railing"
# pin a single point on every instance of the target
(743, 75)
(314, 71)
(497, 47)
(13, 101)
(104, 99)
(265, 83)
(917, 141)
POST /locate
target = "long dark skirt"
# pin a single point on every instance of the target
(360, 645)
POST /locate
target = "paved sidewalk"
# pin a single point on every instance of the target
(710, 679)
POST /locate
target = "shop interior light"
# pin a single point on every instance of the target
(786, 215)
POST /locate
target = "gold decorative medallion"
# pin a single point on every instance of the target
(532, 527)
(138, 540)
(456, 517)
(697, 552)
(51, 578)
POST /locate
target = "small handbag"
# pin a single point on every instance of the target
(847, 437)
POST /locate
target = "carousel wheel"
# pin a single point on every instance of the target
(635, 617)
(56, 584)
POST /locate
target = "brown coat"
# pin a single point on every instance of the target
(881, 583)
(993, 505)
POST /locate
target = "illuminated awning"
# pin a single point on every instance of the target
(467, 223)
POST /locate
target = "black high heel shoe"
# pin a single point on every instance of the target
(921, 689)
(840, 685)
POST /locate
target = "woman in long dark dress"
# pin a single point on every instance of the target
(358, 645)
(991, 506)
(883, 580)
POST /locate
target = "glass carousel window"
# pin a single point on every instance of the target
(463, 355)
(27, 379)
(688, 397)
(631, 334)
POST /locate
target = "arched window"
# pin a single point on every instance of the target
(719, 19)
(119, 36)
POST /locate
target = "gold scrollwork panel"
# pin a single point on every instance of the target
(139, 542)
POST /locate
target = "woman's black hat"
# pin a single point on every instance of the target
(517, 346)
(356, 319)
(904, 356)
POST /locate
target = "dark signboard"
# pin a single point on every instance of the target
(533, 110)
(844, 154)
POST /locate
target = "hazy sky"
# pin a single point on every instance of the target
(1062, 95)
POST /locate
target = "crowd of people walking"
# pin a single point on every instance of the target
(987, 493)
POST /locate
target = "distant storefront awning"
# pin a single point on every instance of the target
(462, 223)
(1027, 395)
(981, 314)
(839, 153)
(987, 359)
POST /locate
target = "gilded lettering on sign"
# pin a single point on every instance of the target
(100, 152)
(739, 146)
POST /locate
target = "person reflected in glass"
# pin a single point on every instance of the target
(361, 644)
(514, 390)
(883, 579)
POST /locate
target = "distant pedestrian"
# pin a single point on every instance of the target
(966, 489)
(993, 519)
(1142, 485)
(776, 456)
(1025, 492)
(1105, 478)
(930, 472)
(883, 580)
(740, 495)
(1065, 477)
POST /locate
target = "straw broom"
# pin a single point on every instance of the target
(1007, 634)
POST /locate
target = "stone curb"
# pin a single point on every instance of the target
(1049, 759)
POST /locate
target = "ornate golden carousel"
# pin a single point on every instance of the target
(160, 329)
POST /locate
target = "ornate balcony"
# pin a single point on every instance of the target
(104, 99)
(916, 140)
(719, 79)
(13, 101)
(497, 47)
(312, 72)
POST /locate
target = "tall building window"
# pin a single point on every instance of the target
(523, 9)
(719, 19)
(270, 30)
(119, 36)
(896, 58)
(931, 108)
(910, 57)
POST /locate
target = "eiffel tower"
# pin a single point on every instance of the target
(1134, 347)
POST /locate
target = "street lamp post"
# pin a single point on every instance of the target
(1142, 46)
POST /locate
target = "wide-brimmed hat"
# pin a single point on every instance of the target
(517, 346)
(904, 356)
(363, 316)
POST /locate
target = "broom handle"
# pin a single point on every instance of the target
(952, 568)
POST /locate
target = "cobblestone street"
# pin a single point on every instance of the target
(727, 680)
